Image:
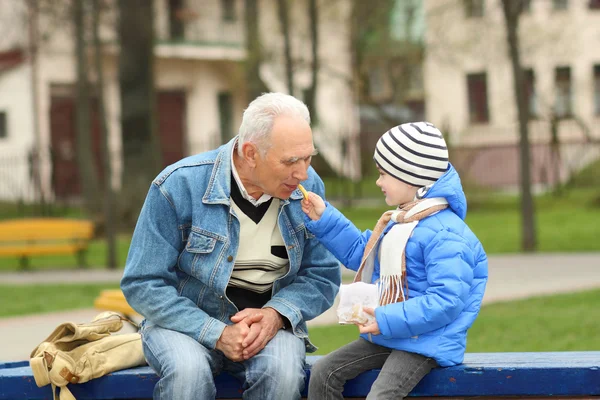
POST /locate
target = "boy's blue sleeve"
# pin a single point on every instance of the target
(339, 235)
(449, 264)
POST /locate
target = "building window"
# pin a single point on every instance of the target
(377, 87)
(597, 89)
(474, 8)
(228, 10)
(225, 116)
(415, 77)
(3, 125)
(562, 81)
(594, 4)
(530, 97)
(478, 98)
(560, 4)
(176, 27)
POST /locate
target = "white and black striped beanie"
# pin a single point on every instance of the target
(414, 153)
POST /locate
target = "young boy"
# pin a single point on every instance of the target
(431, 270)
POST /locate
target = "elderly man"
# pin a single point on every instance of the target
(222, 267)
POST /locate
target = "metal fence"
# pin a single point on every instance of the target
(43, 184)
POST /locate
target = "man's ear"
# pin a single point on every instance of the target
(250, 153)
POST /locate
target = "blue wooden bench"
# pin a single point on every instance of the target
(565, 375)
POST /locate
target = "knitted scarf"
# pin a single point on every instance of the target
(393, 285)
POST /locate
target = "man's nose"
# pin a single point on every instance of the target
(301, 173)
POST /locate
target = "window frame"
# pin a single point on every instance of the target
(3, 124)
(530, 93)
(560, 5)
(596, 88)
(474, 8)
(176, 25)
(228, 11)
(563, 74)
(478, 98)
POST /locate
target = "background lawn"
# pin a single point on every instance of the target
(566, 322)
(34, 299)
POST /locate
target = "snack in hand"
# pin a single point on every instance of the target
(304, 192)
(354, 298)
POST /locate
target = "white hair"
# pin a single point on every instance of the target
(257, 121)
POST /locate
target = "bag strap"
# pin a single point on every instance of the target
(41, 366)
(65, 393)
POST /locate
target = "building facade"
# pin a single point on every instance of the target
(199, 79)
(469, 83)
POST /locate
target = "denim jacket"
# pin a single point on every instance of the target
(185, 243)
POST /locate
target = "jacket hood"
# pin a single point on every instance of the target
(449, 187)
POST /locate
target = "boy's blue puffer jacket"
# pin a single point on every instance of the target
(446, 268)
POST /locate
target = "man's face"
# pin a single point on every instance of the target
(286, 162)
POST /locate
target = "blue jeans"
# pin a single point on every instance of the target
(186, 368)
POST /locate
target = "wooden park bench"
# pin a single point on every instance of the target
(114, 300)
(559, 375)
(28, 237)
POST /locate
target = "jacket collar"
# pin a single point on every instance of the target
(218, 190)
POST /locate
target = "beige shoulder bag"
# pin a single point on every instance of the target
(76, 353)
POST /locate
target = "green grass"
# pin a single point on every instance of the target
(564, 224)
(567, 322)
(34, 299)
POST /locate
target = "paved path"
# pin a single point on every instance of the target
(510, 277)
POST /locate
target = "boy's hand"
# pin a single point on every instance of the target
(314, 206)
(371, 327)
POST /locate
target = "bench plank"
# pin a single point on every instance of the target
(45, 236)
(40, 249)
(560, 374)
(114, 300)
(33, 229)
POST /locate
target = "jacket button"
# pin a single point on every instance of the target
(230, 258)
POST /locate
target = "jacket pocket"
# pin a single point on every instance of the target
(199, 243)
(200, 256)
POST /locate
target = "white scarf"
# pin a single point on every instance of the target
(392, 282)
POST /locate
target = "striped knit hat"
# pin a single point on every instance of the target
(414, 153)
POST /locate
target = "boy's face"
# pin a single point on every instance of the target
(395, 191)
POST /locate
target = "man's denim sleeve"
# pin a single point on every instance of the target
(150, 282)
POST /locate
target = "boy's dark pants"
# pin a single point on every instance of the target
(400, 371)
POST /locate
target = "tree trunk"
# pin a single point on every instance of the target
(109, 201)
(85, 159)
(555, 155)
(141, 155)
(284, 22)
(512, 10)
(37, 154)
(311, 94)
(256, 86)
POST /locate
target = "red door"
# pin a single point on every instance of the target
(65, 172)
(171, 107)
